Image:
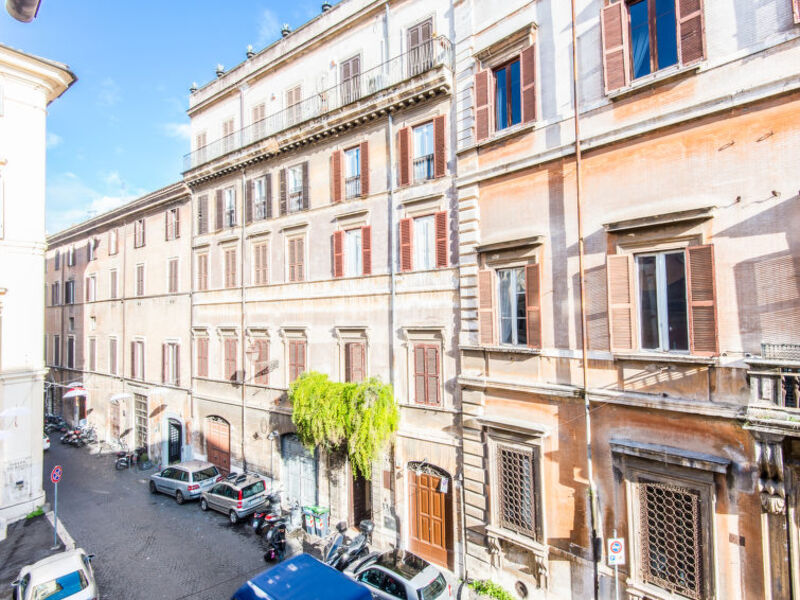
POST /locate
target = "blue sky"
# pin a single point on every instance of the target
(121, 131)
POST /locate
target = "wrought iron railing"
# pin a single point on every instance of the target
(429, 55)
(423, 168)
(352, 187)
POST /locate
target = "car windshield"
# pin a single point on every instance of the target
(253, 489)
(433, 589)
(61, 587)
(205, 474)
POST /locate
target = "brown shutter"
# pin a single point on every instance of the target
(338, 254)
(486, 306)
(257, 264)
(691, 34)
(364, 157)
(202, 215)
(348, 362)
(419, 374)
(533, 305)
(527, 61)
(268, 192)
(432, 375)
(305, 186)
(406, 262)
(300, 258)
(619, 269)
(144, 239)
(167, 232)
(336, 176)
(177, 224)
(164, 355)
(796, 11)
(177, 364)
(366, 250)
(440, 219)
(282, 200)
(248, 201)
(220, 210)
(702, 300)
(483, 105)
(615, 46)
(133, 359)
(439, 154)
(403, 157)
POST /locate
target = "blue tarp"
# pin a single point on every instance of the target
(302, 577)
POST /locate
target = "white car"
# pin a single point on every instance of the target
(46, 443)
(67, 575)
(399, 574)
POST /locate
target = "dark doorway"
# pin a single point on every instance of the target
(174, 445)
(360, 499)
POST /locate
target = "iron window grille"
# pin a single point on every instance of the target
(140, 414)
(518, 489)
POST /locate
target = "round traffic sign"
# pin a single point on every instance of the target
(55, 476)
(616, 547)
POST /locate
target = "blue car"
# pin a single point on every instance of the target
(302, 577)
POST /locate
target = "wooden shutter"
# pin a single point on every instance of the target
(527, 62)
(220, 210)
(336, 176)
(144, 240)
(619, 269)
(796, 11)
(248, 201)
(432, 375)
(268, 192)
(403, 157)
(133, 359)
(300, 258)
(691, 34)
(439, 151)
(366, 250)
(338, 253)
(202, 215)
(486, 306)
(164, 368)
(112, 356)
(483, 105)
(177, 365)
(282, 184)
(440, 219)
(702, 300)
(202, 357)
(305, 186)
(616, 72)
(364, 158)
(176, 223)
(533, 305)
(257, 264)
(167, 228)
(406, 262)
(419, 374)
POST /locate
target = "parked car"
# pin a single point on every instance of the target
(66, 575)
(45, 442)
(186, 480)
(400, 574)
(238, 496)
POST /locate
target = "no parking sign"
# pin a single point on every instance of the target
(616, 551)
(55, 476)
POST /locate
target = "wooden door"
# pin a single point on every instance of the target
(428, 518)
(218, 444)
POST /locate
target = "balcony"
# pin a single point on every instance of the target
(774, 379)
(375, 85)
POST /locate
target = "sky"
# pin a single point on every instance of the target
(121, 130)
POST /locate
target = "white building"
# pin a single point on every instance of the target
(28, 84)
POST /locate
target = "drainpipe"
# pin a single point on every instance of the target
(192, 358)
(122, 301)
(594, 520)
(241, 321)
(390, 237)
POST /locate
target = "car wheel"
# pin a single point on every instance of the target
(179, 498)
(233, 518)
(152, 487)
(203, 504)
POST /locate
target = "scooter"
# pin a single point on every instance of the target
(276, 541)
(126, 459)
(342, 552)
(263, 519)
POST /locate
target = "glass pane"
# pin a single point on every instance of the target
(522, 333)
(423, 243)
(423, 140)
(676, 301)
(351, 163)
(667, 46)
(648, 302)
(501, 99)
(352, 253)
(640, 39)
(504, 278)
(516, 94)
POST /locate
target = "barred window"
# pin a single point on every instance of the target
(518, 490)
(671, 538)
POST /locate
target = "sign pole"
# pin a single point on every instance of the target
(616, 574)
(55, 520)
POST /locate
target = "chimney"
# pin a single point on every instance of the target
(220, 70)
(250, 52)
(193, 89)
(285, 30)
(326, 6)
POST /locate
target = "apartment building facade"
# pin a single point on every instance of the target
(688, 120)
(118, 315)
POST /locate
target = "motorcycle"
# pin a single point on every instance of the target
(263, 519)
(126, 459)
(276, 541)
(342, 552)
(70, 435)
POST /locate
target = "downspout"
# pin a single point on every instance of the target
(192, 357)
(241, 321)
(596, 549)
(390, 236)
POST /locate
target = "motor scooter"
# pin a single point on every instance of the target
(276, 541)
(342, 551)
(271, 512)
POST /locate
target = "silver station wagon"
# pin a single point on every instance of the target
(238, 496)
(186, 480)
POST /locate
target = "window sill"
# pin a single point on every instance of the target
(504, 134)
(520, 540)
(665, 357)
(652, 80)
(644, 591)
(502, 349)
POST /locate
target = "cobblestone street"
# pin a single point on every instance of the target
(147, 547)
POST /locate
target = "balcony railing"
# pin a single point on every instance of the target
(423, 168)
(429, 55)
(352, 187)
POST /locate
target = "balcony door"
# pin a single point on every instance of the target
(420, 48)
(351, 78)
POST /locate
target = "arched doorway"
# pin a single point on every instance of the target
(430, 512)
(218, 443)
(174, 441)
(299, 471)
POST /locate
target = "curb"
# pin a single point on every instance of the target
(63, 534)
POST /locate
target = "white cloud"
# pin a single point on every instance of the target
(178, 130)
(269, 28)
(53, 139)
(109, 93)
(113, 179)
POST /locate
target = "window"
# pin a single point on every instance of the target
(140, 420)
(261, 362)
(518, 314)
(202, 215)
(653, 35)
(57, 350)
(140, 280)
(71, 323)
(91, 288)
(138, 233)
(420, 48)
(663, 310)
(424, 243)
(200, 147)
(113, 242)
(170, 363)
(352, 252)
(518, 502)
(351, 80)
(57, 260)
(92, 354)
(260, 262)
(112, 284)
(423, 152)
(202, 272)
(112, 355)
(230, 267)
(137, 360)
(91, 250)
(71, 256)
(296, 255)
(172, 270)
(202, 356)
(297, 359)
(511, 309)
(352, 172)
(71, 352)
(508, 95)
(55, 294)
(260, 198)
(259, 128)
(355, 361)
(293, 106)
(172, 230)
(69, 291)
(426, 374)
(295, 191)
(230, 207)
(228, 137)
(229, 367)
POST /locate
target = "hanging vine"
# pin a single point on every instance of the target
(358, 417)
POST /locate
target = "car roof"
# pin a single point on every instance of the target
(193, 465)
(54, 566)
(248, 479)
(402, 563)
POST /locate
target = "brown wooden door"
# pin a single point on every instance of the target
(218, 444)
(428, 517)
(360, 505)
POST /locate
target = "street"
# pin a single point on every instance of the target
(147, 547)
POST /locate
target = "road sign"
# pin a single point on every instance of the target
(55, 476)
(616, 551)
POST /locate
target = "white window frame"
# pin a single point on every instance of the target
(173, 368)
(661, 299)
(260, 198)
(294, 188)
(71, 256)
(421, 143)
(229, 199)
(352, 171)
(91, 287)
(422, 260)
(514, 306)
(353, 256)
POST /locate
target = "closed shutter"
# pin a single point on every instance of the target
(230, 359)
(248, 201)
(113, 284)
(527, 61)
(220, 210)
(144, 239)
(305, 186)
(177, 223)
(439, 153)
(533, 308)
(202, 215)
(797, 11)
(112, 356)
(300, 259)
(366, 250)
(164, 367)
(619, 268)
(202, 357)
(167, 228)
(691, 42)
(282, 191)
(441, 238)
(268, 192)
(432, 375)
(177, 374)
(336, 176)
(406, 263)
(262, 373)
(257, 264)
(486, 306)
(483, 105)
(364, 157)
(338, 253)
(702, 300)
(133, 359)
(615, 46)
(403, 157)
(419, 374)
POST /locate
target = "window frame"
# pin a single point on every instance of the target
(172, 375)
(260, 200)
(201, 275)
(173, 263)
(139, 233)
(230, 271)
(230, 342)
(57, 350)
(69, 291)
(229, 207)
(661, 300)
(113, 364)
(352, 182)
(293, 368)
(139, 282)
(260, 262)
(652, 36)
(429, 167)
(508, 91)
(91, 353)
(91, 287)
(294, 194)
(515, 307)
(292, 268)
(71, 352)
(113, 284)
(425, 348)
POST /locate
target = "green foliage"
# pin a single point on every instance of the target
(36, 513)
(360, 417)
(491, 589)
